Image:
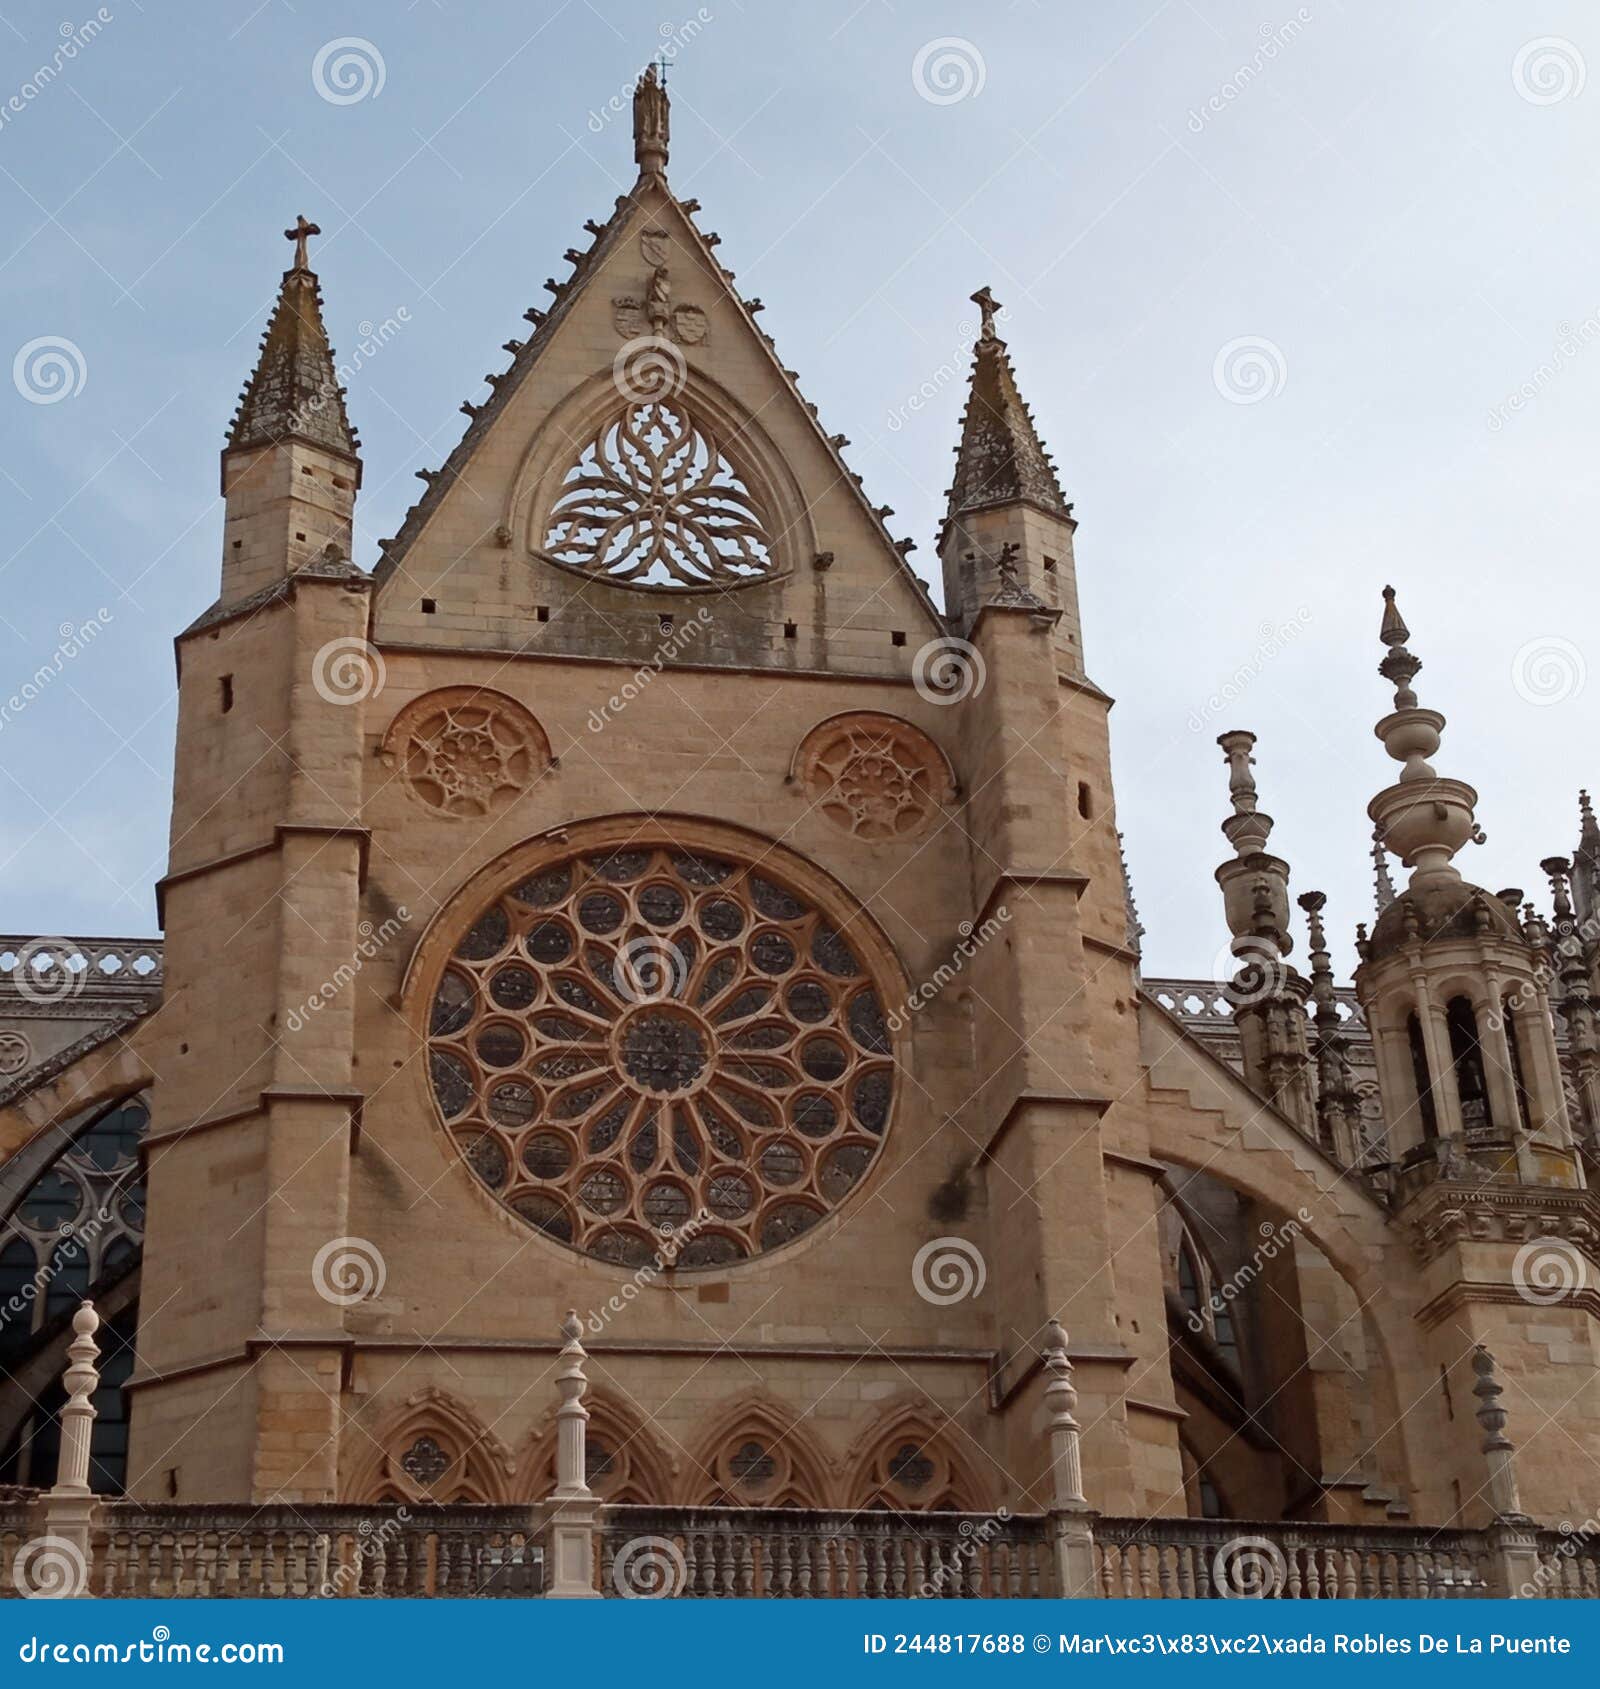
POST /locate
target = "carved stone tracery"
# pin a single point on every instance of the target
(874, 776)
(648, 1053)
(466, 751)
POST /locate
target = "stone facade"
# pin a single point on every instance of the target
(635, 895)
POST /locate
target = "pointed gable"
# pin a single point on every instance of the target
(294, 391)
(646, 436)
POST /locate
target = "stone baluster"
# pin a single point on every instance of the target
(1072, 1518)
(1513, 1546)
(574, 1510)
(69, 1507)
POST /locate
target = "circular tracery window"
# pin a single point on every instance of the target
(642, 1043)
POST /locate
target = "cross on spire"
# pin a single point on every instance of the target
(988, 305)
(299, 234)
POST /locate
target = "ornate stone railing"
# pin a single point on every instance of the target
(316, 1551)
(1568, 1567)
(797, 1553)
(1196, 1559)
(54, 971)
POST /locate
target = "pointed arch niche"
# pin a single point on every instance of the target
(623, 1461)
(758, 1455)
(908, 1462)
(432, 1449)
(659, 483)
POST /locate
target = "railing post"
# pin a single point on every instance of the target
(65, 1557)
(1514, 1570)
(1071, 1517)
(574, 1510)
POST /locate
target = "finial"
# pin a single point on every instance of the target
(299, 234)
(1400, 666)
(651, 121)
(1247, 828)
(1498, 1449)
(1384, 891)
(1589, 832)
(989, 306)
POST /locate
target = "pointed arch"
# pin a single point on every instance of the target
(624, 1462)
(909, 1462)
(434, 1448)
(758, 1454)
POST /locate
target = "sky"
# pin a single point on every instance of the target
(1305, 300)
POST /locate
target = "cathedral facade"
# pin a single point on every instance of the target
(635, 895)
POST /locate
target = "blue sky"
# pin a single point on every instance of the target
(1374, 225)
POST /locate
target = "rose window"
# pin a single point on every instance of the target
(653, 501)
(874, 776)
(653, 1054)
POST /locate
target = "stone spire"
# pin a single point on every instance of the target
(1586, 867)
(295, 392)
(1135, 925)
(1384, 886)
(652, 123)
(1338, 1104)
(1423, 818)
(1001, 459)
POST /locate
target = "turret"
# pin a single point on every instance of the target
(1455, 994)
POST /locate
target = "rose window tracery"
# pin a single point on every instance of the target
(653, 500)
(466, 751)
(874, 776)
(649, 1052)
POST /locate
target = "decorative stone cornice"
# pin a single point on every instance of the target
(1456, 1212)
